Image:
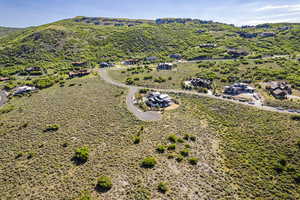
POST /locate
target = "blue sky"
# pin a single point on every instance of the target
(23, 13)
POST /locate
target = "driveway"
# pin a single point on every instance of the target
(3, 97)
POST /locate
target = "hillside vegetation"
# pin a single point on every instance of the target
(7, 30)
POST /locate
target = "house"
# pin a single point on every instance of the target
(247, 35)
(119, 24)
(279, 90)
(199, 82)
(164, 66)
(151, 58)
(284, 28)
(267, 34)
(23, 89)
(200, 31)
(79, 73)
(105, 64)
(156, 99)
(32, 69)
(208, 45)
(235, 53)
(175, 56)
(131, 62)
(78, 64)
(4, 79)
(238, 88)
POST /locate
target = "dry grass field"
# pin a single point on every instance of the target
(237, 148)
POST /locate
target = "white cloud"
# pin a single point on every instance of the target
(262, 21)
(295, 7)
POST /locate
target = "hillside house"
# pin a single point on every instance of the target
(151, 58)
(23, 89)
(78, 64)
(131, 62)
(165, 66)
(208, 45)
(267, 34)
(156, 99)
(32, 69)
(79, 73)
(105, 64)
(279, 90)
(238, 88)
(200, 31)
(175, 56)
(235, 53)
(199, 82)
(247, 35)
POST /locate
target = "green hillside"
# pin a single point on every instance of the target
(6, 30)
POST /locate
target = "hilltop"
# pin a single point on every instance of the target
(7, 30)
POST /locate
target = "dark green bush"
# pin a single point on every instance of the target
(179, 158)
(172, 147)
(52, 128)
(193, 161)
(184, 152)
(81, 154)
(172, 138)
(136, 139)
(162, 187)
(148, 162)
(104, 184)
(161, 148)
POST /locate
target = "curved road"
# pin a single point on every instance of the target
(144, 116)
(3, 97)
(152, 116)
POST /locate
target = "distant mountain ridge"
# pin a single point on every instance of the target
(7, 30)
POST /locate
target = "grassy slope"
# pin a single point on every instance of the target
(93, 113)
(6, 30)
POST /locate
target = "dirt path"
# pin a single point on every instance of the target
(152, 116)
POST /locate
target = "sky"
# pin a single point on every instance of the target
(24, 13)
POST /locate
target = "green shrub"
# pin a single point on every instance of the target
(6, 109)
(297, 178)
(129, 81)
(179, 158)
(81, 154)
(104, 183)
(180, 140)
(85, 196)
(172, 147)
(295, 117)
(172, 138)
(136, 139)
(193, 161)
(143, 91)
(186, 136)
(52, 128)
(193, 138)
(148, 162)
(171, 155)
(161, 148)
(43, 83)
(162, 187)
(187, 146)
(185, 152)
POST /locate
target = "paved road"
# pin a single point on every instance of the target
(145, 116)
(3, 97)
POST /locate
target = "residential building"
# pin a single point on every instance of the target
(151, 58)
(238, 88)
(164, 66)
(105, 64)
(79, 73)
(156, 99)
(247, 35)
(279, 90)
(24, 89)
(267, 34)
(131, 62)
(235, 53)
(175, 56)
(31, 69)
(199, 82)
(78, 64)
(208, 45)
